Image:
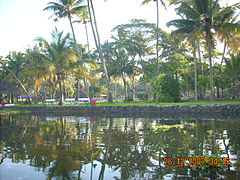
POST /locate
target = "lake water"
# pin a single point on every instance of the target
(71, 147)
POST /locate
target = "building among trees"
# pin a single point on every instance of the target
(7, 91)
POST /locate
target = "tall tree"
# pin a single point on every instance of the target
(232, 71)
(98, 45)
(83, 17)
(137, 36)
(205, 19)
(157, 29)
(16, 78)
(67, 8)
(38, 70)
(59, 53)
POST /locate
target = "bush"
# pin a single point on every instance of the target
(128, 99)
(167, 88)
(142, 96)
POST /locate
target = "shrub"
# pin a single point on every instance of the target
(143, 96)
(167, 88)
(128, 99)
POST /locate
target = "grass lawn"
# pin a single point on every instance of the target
(140, 103)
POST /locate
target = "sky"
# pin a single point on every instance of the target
(22, 21)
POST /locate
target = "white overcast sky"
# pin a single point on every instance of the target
(21, 21)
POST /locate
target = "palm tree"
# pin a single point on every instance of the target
(38, 68)
(98, 45)
(61, 56)
(205, 19)
(118, 62)
(230, 41)
(233, 72)
(67, 8)
(15, 77)
(157, 30)
(185, 33)
(84, 18)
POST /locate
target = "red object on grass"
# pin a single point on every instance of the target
(93, 102)
(93, 120)
(3, 103)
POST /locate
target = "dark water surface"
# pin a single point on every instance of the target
(71, 147)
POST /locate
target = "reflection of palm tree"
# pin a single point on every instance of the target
(120, 152)
(106, 154)
(61, 168)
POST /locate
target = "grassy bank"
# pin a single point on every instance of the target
(141, 103)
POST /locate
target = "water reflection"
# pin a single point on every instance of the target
(73, 147)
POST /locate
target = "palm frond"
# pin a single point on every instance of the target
(182, 22)
(231, 28)
(146, 2)
(201, 6)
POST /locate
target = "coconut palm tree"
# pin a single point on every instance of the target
(67, 8)
(98, 45)
(185, 33)
(15, 77)
(205, 19)
(38, 69)
(157, 30)
(232, 71)
(83, 17)
(60, 55)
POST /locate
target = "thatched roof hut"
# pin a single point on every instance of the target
(7, 88)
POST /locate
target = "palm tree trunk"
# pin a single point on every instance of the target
(61, 92)
(224, 50)
(195, 70)
(223, 58)
(158, 68)
(133, 88)
(199, 57)
(74, 38)
(77, 90)
(125, 87)
(98, 46)
(19, 82)
(86, 86)
(86, 30)
(208, 40)
(44, 93)
(200, 67)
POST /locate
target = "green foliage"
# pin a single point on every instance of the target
(232, 70)
(47, 125)
(167, 88)
(96, 90)
(13, 111)
(142, 96)
(203, 81)
(128, 99)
